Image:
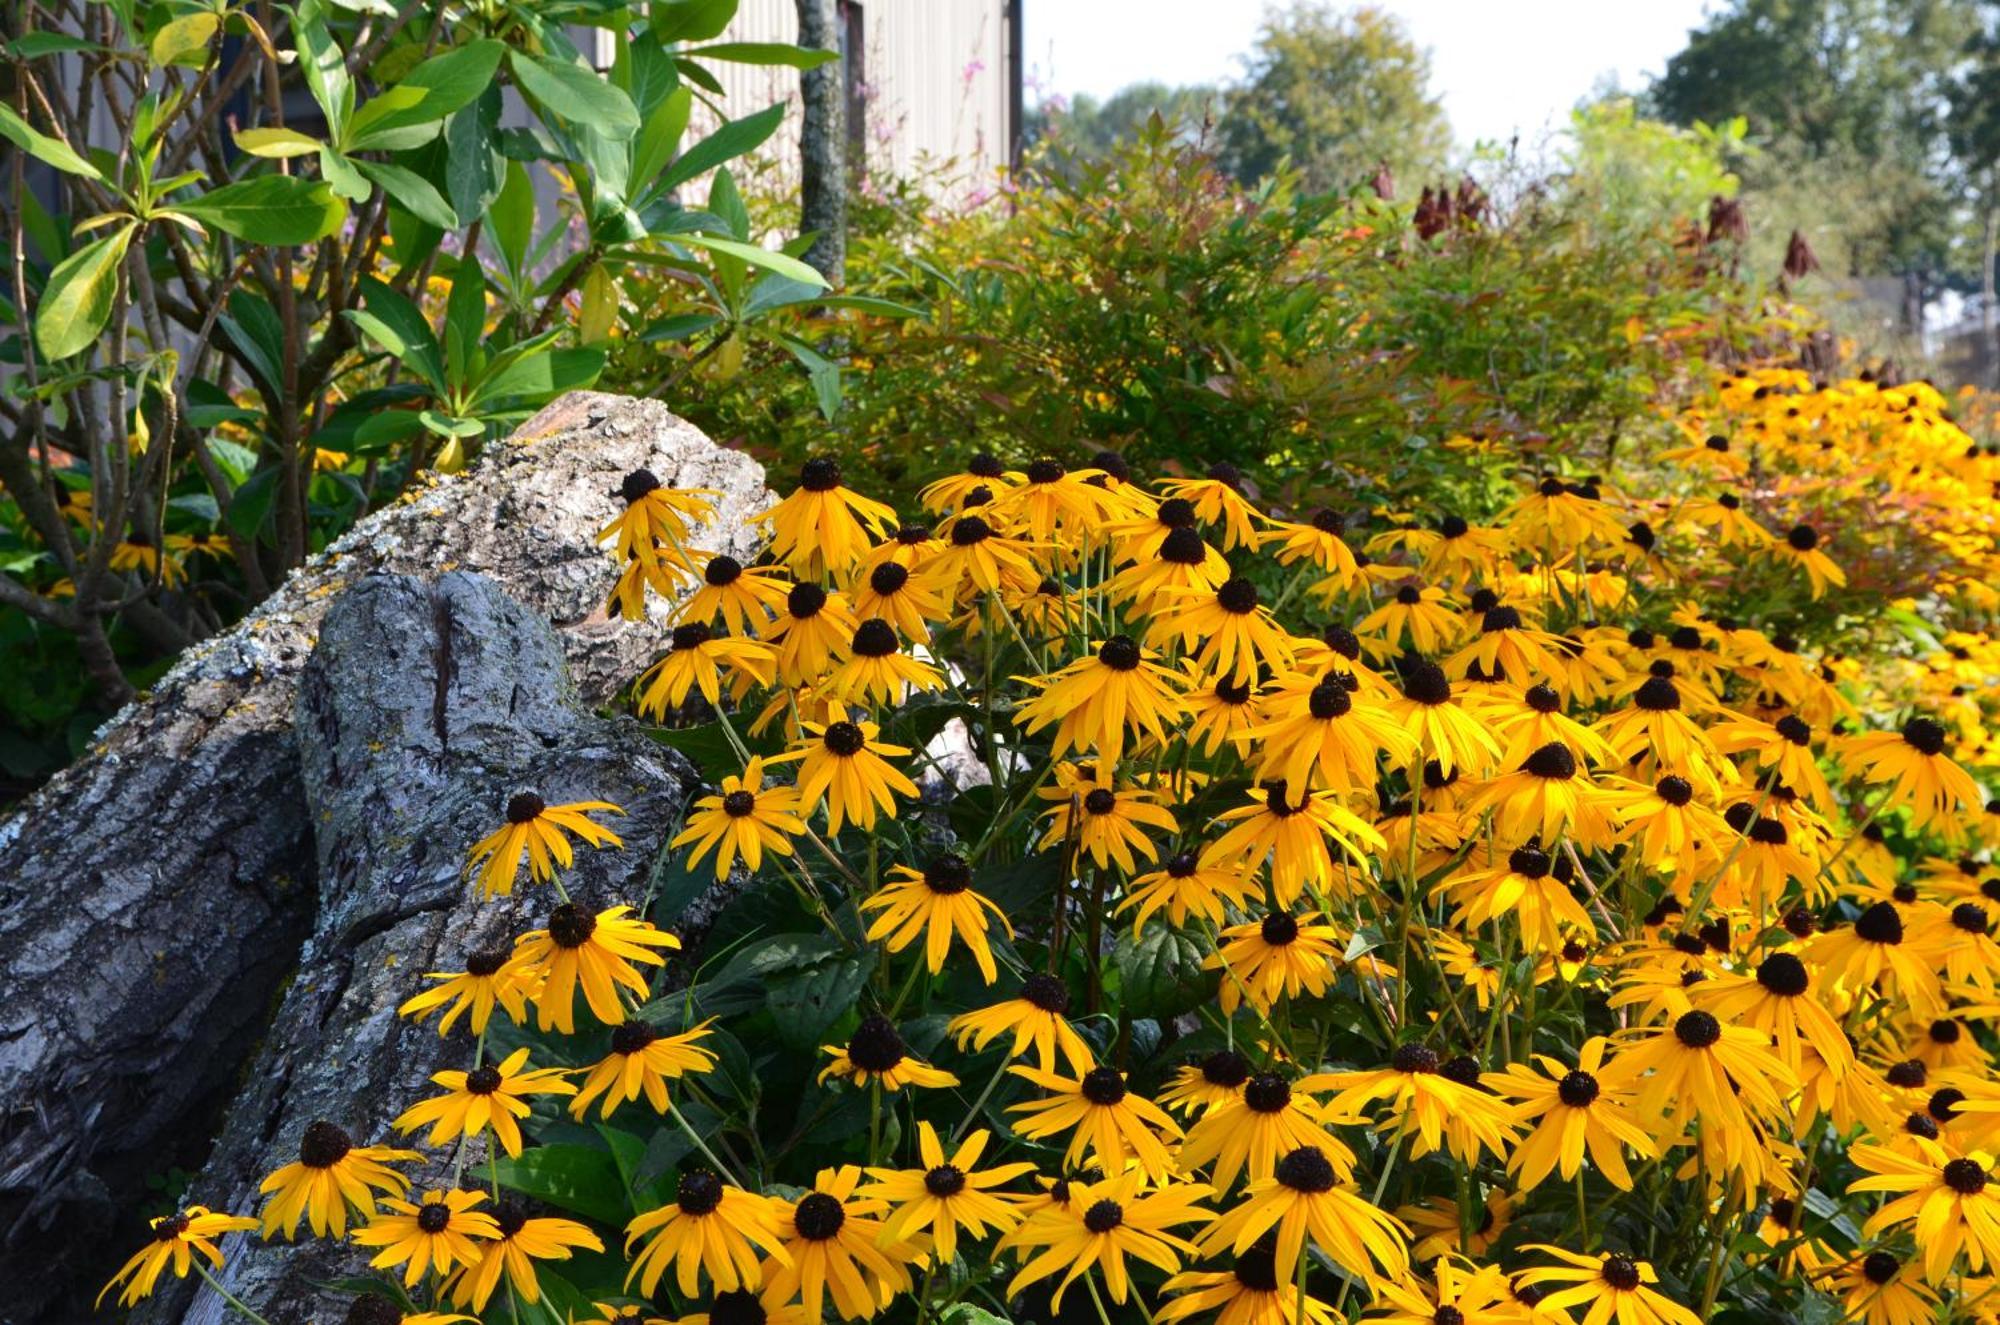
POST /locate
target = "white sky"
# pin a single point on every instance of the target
(1500, 65)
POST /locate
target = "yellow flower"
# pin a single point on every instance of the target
(1105, 820)
(947, 1194)
(641, 1059)
(841, 763)
(521, 1242)
(834, 1239)
(1094, 702)
(699, 659)
(1921, 775)
(1280, 956)
(1227, 627)
(1292, 831)
(1251, 1292)
(487, 1096)
(1038, 1019)
(708, 1227)
(876, 1052)
(330, 1174)
(1949, 1202)
(493, 977)
(1248, 1131)
(1103, 1117)
(177, 1239)
(746, 820)
(595, 951)
(877, 670)
(538, 829)
(1614, 1286)
(1100, 1225)
(822, 528)
(935, 903)
(444, 1230)
(1571, 1111)
(1301, 1200)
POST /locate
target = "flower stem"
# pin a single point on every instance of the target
(227, 1296)
(700, 1144)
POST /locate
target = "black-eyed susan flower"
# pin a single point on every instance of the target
(982, 559)
(1913, 762)
(711, 1228)
(1561, 517)
(1876, 1290)
(594, 951)
(948, 494)
(177, 1239)
(1698, 1066)
(1416, 617)
(1097, 703)
(1572, 1113)
(1446, 732)
(1251, 1292)
(747, 819)
(1319, 732)
(490, 1095)
(656, 517)
(1533, 887)
(641, 1061)
(742, 1306)
(1106, 820)
(1100, 1225)
(1185, 887)
(493, 977)
(1280, 956)
(1317, 540)
(1217, 498)
(1437, 1229)
(443, 1230)
(822, 527)
(896, 594)
(744, 599)
(330, 1175)
(1779, 1000)
(842, 763)
(1613, 1286)
(813, 626)
(1458, 1294)
(540, 831)
(1303, 1199)
(522, 1240)
(1800, 547)
(1875, 953)
(1671, 831)
(1037, 1018)
(1220, 711)
(1783, 747)
(1292, 830)
(833, 1238)
(1504, 644)
(1227, 628)
(1653, 734)
(1550, 796)
(877, 671)
(1048, 499)
(1182, 563)
(947, 1194)
(1948, 1201)
(698, 659)
(1538, 720)
(1247, 1132)
(935, 904)
(876, 1053)
(1104, 1119)
(1424, 1103)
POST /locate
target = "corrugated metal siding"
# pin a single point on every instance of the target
(935, 73)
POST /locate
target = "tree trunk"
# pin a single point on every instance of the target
(423, 708)
(823, 144)
(1989, 314)
(156, 893)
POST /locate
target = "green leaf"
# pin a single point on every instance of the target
(725, 144)
(691, 20)
(464, 321)
(540, 377)
(804, 1003)
(862, 303)
(270, 209)
(379, 432)
(36, 45)
(764, 52)
(325, 68)
(581, 1179)
(412, 192)
(185, 36)
(511, 219)
(451, 82)
(680, 326)
(250, 505)
(448, 425)
(76, 302)
(52, 151)
(757, 257)
(1161, 973)
(659, 138)
(277, 142)
(252, 326)
(726, 201)
(394, 323)
(574, 93)
(377, 109)
(472, 169)
(343, 176)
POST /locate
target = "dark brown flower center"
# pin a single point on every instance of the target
(1530, 862)
(1424, 682)
(1553, 761)
(1225, 1068)
(968, 530)
(1802, 537)
(1100, 801)
(322, 1145)
(632, 1036)
(637, 484)
(805, 600)
(1103, 1086)
(1697, 1030)
(1328, 700)
(874, 638)
(1306, 1170)
(1120, 653)
(434, 1217)
(1967, 1177)
(1046, 992)
(722, 571)
(1279, 928)
(1238, 596)
(820, 474)
(1783, 974)
(944, 1180)
(889, 577)
(482, 1080)
(844, 739)
(1267, 1093)
(486, 961)
(739, 804)
(1925, 736)
(1620, 1273)
(570, 926)
(875, 1045)
(698, 1192)
(736, 1306)
(818, 1216)
(1577, 1089)
(1103, 1216)
(1880, 924)
(524, 807)
(1414, 1057)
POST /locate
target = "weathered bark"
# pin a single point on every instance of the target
(823, 144)
(153, 897)
(422, 710)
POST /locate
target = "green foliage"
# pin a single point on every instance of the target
(238, 332)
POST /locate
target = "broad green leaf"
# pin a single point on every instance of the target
(324, 67)
(1161, 973)
(576, 94)
(680, 326)
(378, 432)
(726, 201)
(726, 143)
(763, 52)
(250, 505)
(804, 1002)
(697, 73)
(581, 1179)
(450, 82)
(448, 425)
(394, 323)
(270, 209)
(412, 192)
(472, 168)
(35, 45)
(253, 327)
(660, 137)
(540, 377)
(464, 321)
(599, 310)
(377, 109)
(52, 151)
(511, 219)
(862, 303)
(183, 37)
(343, 176)
(277, 142)
(76, 302)
(757, 257)
(691, 20)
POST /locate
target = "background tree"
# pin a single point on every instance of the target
(823, 143)
(1975, 141)
(1088, 129)
(1337, 93)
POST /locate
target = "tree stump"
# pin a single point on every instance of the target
(156, 893)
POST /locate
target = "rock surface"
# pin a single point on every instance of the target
(154, 896)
